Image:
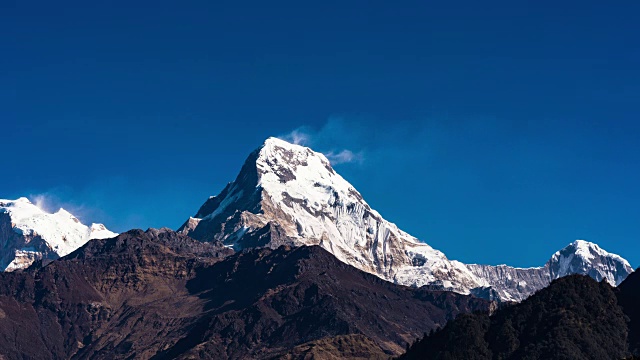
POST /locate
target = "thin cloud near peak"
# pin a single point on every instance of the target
(325, 140)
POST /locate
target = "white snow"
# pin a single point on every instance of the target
(351, 230)
(565, 263)
(587, 249)
(225, 203)
(583, 249)
(62, 232)
(584, 256)
(314, 182)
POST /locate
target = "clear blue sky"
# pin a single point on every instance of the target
(497, 133)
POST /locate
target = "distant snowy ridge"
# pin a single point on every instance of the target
(289, 194)
(583, 257)
(579, 257)
(28, 233)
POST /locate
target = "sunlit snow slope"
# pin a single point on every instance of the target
(27, 234)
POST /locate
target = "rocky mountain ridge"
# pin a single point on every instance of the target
(157, 294)
(287, 194)
(579, 257)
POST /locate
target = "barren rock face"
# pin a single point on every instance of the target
(162, 295)
(289, 194)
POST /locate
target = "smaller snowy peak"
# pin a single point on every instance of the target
(64, 214)
(584, 257)
(589, 251)
(28, 233)
(99, 231)
(579, 257)
(97, 227)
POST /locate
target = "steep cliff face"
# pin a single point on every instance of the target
(28, 233)
(511, 284)
(289, 194)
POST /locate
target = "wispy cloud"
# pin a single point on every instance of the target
(344, 156)
(53, 200)
(41, 201)
(109, 200)
(298, 137)
(332, 139)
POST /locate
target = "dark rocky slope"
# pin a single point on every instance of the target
(265, 302)
(629, 299)
(574, 318)
(354, 347)
(160, 295)
(109, 298)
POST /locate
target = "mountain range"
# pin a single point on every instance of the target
(162, 295)
(286, 194)
(290, 262)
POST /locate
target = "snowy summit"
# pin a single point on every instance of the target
(27, 233)
(585, 257)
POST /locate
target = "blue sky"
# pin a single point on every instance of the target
(497, 133)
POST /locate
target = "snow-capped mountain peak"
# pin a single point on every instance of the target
(588, 251)
(290, 194)
(28, 233)
(584, 257)
(579, 257)
(293, 172)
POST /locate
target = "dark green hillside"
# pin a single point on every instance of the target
(574, 318)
